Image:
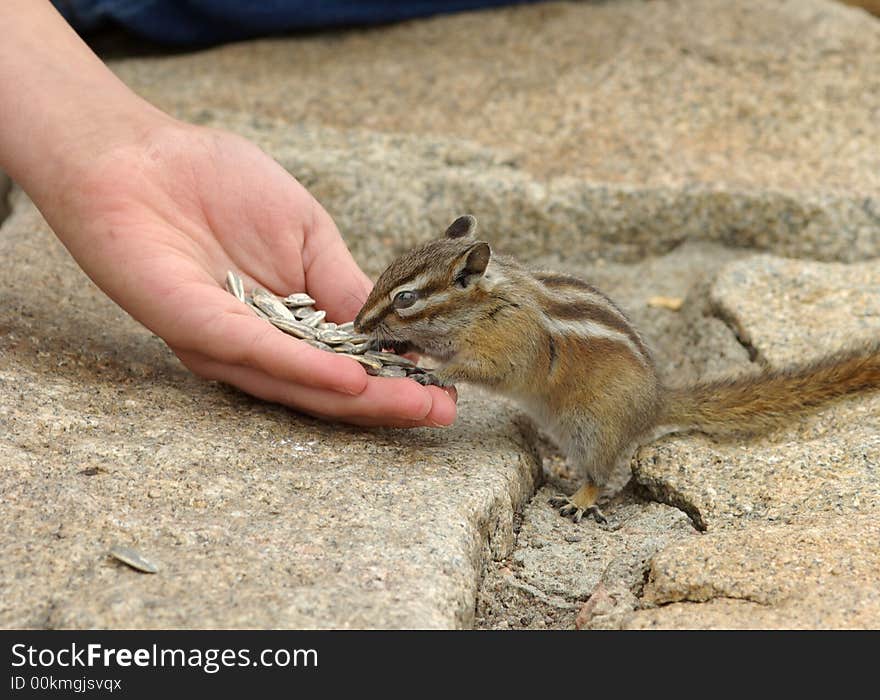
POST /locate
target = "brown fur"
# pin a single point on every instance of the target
(758, 402)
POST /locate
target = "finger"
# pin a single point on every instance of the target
(443, 405)
(385, 401)
(333, 278)
(362, 410)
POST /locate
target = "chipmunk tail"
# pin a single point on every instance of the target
(758, 402)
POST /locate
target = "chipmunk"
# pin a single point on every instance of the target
(573, 359)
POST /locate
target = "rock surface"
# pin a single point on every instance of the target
(652, 147)
(790, 516)
(812, 576)
(613, 130)
(783, 309)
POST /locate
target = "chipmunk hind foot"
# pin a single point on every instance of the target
(582, 502)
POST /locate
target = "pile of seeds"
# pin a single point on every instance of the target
(296, 315)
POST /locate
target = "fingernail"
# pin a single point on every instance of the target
(347, 388)
(452, 392)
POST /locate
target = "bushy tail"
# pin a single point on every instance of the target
(755, 403)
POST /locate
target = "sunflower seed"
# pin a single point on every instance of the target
(398, 360)
(389, 358)
(302, 312)
(300, 299)
(258, 311)
(322, 346)
(133, 559)
(271, 305)
(426, 379)
(333, 337)
(314, 318)
(365, 361)
(294, 328)
(392, 371)
(297, 316)
(234, 285)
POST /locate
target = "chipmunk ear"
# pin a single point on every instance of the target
(472, 264)
(463, 226)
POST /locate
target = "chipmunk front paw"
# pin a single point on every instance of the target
(443, 377)
(428, 379)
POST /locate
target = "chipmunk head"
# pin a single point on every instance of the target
(426, 297)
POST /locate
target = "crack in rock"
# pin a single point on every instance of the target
(739, 333)
(653, 488)
(710, 598)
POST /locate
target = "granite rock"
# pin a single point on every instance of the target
(782, 309)
(821, 575)
(791, 540)
(581, 574)
(757, 130)
(389, 192)
(785, 311)
(675, 92)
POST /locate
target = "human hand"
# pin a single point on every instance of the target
(156, 211)
(158, 221)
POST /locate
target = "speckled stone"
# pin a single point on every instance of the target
(752, 94)
(822, 575)
(255, 516)
(561, 565)
(601, 555)
(388, 192)
(784, 309)
(790, 515)
(846, 606)
(826, 463)
(632, 125)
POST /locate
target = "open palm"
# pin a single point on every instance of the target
(157, 224)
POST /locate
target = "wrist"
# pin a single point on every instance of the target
(61, 106)
(78, 148)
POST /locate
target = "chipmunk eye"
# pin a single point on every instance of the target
(403, 300)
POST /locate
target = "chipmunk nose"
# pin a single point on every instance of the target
(360, 325)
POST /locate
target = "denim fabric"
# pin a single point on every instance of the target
(211, 21)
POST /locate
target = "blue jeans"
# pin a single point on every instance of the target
(212, 21)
